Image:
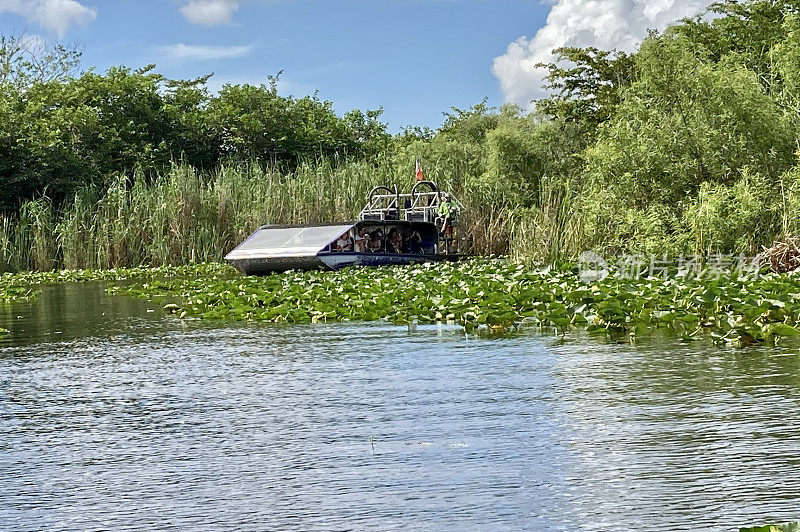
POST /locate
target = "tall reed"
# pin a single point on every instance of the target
(549, 232)
(187, 216)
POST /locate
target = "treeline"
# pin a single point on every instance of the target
(61, 130)
(688, 145)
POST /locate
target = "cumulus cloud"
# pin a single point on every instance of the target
(210, 12)
(188, 52)
(55, 15)
(605, 24)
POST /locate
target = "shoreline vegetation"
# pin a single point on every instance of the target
(491, 297)
(688, 145)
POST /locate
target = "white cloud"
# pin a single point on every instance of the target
(33, 43)
(55, 15)
(210, 12)
(605, 24)
(190, 52)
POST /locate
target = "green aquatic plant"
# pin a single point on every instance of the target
(497, 296)
(24, 286)
(210, 269)
(786, 527)
(484, 296)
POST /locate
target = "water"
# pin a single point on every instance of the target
(114, 417)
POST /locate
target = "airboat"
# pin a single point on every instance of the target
(393, 228)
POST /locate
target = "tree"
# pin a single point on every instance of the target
(58, 133)
(256, 123)
(527, 156)
(741, 32)
(588, 90)
(685, 121)
(25, 60)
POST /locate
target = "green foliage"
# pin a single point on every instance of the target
(495, 295)
(526, 156)
(589, 89)
(613, 227)
(741, 217)
(257, 124)
(514, 172)
(489, 296)
(785, 59)
(743, 32)
(786, 527)
(686, 121)
(9, 294)
(24, 286)
(790, 202)
(60, 134)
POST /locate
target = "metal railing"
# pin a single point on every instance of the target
(420, 205)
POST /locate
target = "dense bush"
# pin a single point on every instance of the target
(741, 217)
(686, 121)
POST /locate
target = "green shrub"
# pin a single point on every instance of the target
(740, 217)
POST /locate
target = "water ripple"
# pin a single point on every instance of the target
(153, 424)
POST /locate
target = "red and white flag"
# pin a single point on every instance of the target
(419, 174)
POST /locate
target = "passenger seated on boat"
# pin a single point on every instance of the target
(344, 243)
(360, 241)
(394, 243)
(406, 232)
(428, 246)
(414, 245)
(375, 244)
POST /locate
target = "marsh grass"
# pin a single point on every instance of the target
(181, 217)
(547, 233)
(186, 216)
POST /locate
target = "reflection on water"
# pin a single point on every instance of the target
(72, 311)
(112, 416)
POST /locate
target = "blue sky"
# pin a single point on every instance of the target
(414, 58)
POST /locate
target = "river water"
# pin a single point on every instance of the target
(116, 417)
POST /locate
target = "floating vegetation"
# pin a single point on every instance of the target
(484, 296)
(118, 274)
(22, 286)
(786, 527)
(496, 296)
(4, 332)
